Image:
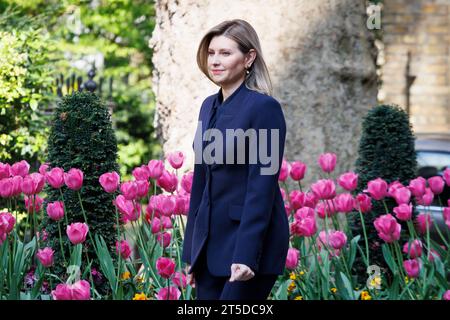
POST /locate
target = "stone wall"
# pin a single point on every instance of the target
(320, 55)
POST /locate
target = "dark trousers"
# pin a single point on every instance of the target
(210, 287)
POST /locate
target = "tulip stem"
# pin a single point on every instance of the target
(365, 236)
(86, 220)
(119, 253)
(61, 244)
(64, 206)
(385, 206)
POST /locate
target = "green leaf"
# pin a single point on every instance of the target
(33, 104)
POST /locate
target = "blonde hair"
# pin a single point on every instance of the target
(243, 33)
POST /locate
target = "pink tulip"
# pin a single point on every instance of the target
(81, 290)
(55, 177)
(433, 255)
(45, 256)
(33, 183)
(297, 199)
(362, 202)
(446, 295)
(298, 170)
(156, 168)
(337, 239)
(417, 186)
(423, 222)
(402, 195)
(377, 188)
(166, 205)
(303, 213)
(292, 258)
(324, 189)
(427, 198)
(327, 162)
(20, 169)
(167, 181)
(186, 181)
(284, 170)
(6, 188)
(436, 184)
(176, 159)
(55, 210)
(62, 292)
(141, 173)
(164, 239)
(43, 168)
(7, 222)
(130, 211)
(393, 186)
(326, 209)
(74, 179)
(181, 204)
(165, 267)
(446, 176)
(77, 232)
(387, 227)
(17, 185)
(129, 190)
(348, 181)
(287, 209)
(142, 189)
(179, 279)
(412, 267)
(123, 248)
(109, 181)
(304, 228)
(171, 293)
(310, 200)
(344, 202)
(4, 170)
(37, 203)
(415, 249)
(403, 212)
(446, 215)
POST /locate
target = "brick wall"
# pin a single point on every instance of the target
(421, 27)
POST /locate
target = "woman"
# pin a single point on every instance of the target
(237, 233)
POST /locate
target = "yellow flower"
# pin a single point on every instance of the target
(126, 275)
(406, 279)
(302, 273)
(298, 298)
(333, 290)
(292, 276)
(291, 286)
(140, 296)
(365, 295)
(375, 282)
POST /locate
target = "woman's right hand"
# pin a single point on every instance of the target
(190, 277)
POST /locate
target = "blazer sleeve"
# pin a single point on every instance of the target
(198, 185)
(261, 188)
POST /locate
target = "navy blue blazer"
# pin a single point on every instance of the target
(235, 211)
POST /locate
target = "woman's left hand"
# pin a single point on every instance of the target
(240, 272)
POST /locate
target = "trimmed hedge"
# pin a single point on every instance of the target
(386, 150)
(82, 137)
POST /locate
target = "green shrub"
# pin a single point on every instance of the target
(386, 150)
(82, 137)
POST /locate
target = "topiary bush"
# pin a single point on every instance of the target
(82, 137)
(386, 150)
